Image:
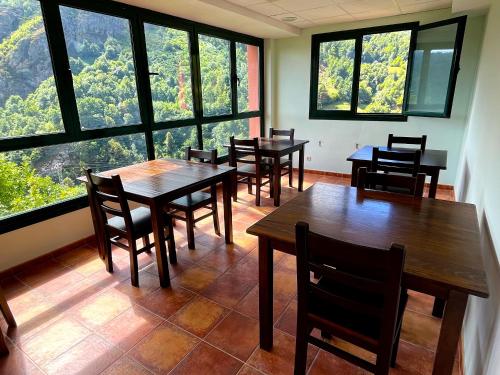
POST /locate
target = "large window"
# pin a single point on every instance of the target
(104, 85)
(363, 74)
(102, 65)
(215, 66)
(28, 98)
(170, 72)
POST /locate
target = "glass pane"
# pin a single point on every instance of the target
(247, 66)
(28, 98)
(38, 177)
(336, 65)
(384, 61)
(170, 143)
(216, 135)
(102, 65)
(215, 65)
(432, 69)
(170, 72)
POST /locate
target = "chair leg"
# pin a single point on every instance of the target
(145, 242)
(258, 182)
(395, 347)
(249, 183)
(290, 176)
(271, 185)
(171, 240)
(301, 348)
(108, 256)
(134, 266)
(6, 312)
(215, 212)
(4, 350)
(190, 229)
(235, 187)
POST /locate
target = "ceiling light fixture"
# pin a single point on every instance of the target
(289, 19)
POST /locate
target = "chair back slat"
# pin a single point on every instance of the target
(245, 151)
(383, 181)
(110, 189)
(407, 161)
(377, 297)
(202, 155)
(421, 141)
(290, 133)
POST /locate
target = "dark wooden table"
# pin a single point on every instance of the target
(431, 163)
(443, 251)
(157, 182)
(276, 149)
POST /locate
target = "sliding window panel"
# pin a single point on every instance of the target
(247, 70)
(29, 104)
(169, 72)
(384, 61)
(434, 68)
(336, 75)
(215, 66)
(171, 143)
(216, 135)
(102, 66)
(38, 177)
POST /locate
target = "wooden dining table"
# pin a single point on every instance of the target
(155, 183)
(276, 149)
(431, 163)
(441, 238)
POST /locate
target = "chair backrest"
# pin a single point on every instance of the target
(352, 270)
(105, 190)
(407, 161)
(282, 133)
(244, 151)
(409, 184)
(201, 155)
(421, 141)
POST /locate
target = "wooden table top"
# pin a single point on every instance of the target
(157, 178)
(441, 237)
(430, 158)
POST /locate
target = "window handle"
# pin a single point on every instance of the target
(153, 74)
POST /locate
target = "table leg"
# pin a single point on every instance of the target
(449, 336)
(161, 250)
(227, 185)
(354, 174)
(277, 180)
(434, 184)
(265, 293)
(301, 169)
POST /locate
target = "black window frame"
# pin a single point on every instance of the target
(357, 35)
(137, 17)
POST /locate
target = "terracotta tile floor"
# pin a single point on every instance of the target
(74, 317)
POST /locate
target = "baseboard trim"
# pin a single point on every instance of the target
(90, 240)
(348, 175)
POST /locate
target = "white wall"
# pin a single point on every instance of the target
(290, 108)
(478, 182)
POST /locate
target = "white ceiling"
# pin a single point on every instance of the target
(286, 18)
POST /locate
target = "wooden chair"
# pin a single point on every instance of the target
(244, 154)
(286, 164)
(392, 182)
(190, 203)
(117, 222)
(358, 298)
(421, 141)
(402, 162)
(9, 318)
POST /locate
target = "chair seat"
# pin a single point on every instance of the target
(360, 323)
(283, 161)
(141, 221)
(249, 169)
(198, 198)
